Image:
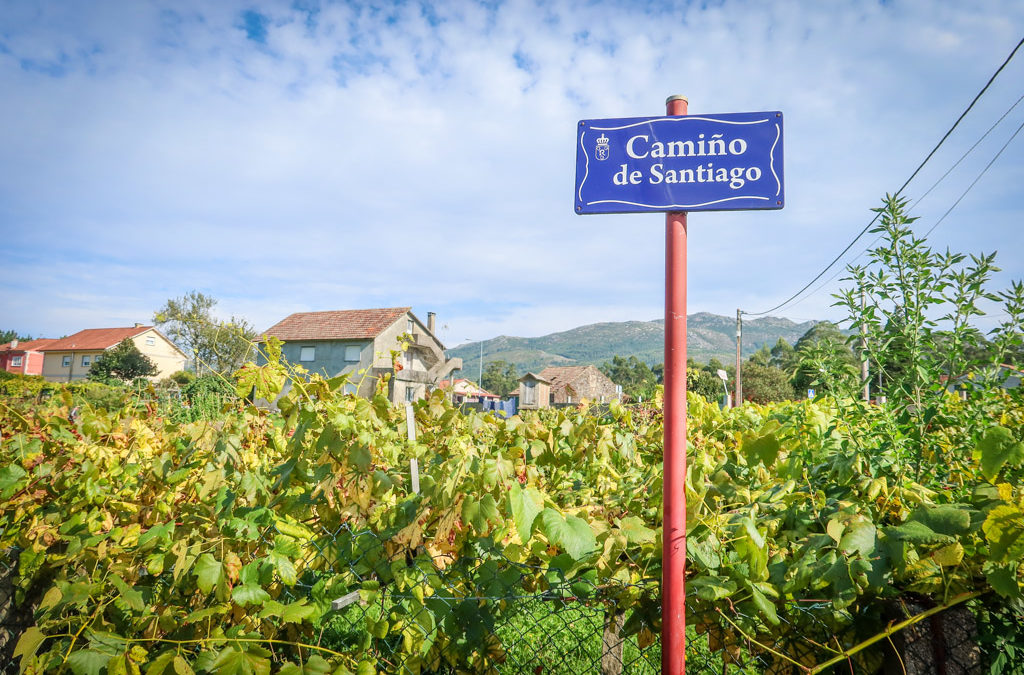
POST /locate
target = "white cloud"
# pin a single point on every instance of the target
(403, 155)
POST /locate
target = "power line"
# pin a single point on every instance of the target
(975, 181)
(902, 187)
(969, 151)
(934, 185)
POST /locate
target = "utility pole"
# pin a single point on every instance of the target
(738, 393)
(865, 377)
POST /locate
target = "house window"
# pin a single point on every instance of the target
(409, 325)
(86, 361)
(350, 388)
(65, 362)
(410, 394)
(150, 341)
(352, 352)
(307, 353)
(16, 361)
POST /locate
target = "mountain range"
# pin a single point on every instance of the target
(708, 336)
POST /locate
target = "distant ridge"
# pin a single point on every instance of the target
(708, 335)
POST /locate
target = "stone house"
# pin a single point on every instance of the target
(71, 358)
(573, 384)
(359, 342)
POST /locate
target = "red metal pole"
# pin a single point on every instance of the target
(673, 593)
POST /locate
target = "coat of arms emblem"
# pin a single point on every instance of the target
(602, 150)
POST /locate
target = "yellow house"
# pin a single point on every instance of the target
(69, 359)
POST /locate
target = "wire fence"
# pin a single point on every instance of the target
(485, 613)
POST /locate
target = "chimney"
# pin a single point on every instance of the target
(139, 325)
(14, 344)
(431, 321)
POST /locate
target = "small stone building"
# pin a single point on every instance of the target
(573, 384)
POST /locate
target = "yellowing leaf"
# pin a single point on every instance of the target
(949, 556)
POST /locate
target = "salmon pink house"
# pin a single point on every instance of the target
(23, 357)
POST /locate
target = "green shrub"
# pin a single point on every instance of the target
(203, 398)
(180, 378)
(98, 395)
(22, 386)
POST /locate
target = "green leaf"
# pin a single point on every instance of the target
(157, 532)
(160, 663)
(208, 571)
(29, 642)
(764, 605)
(635, 530)
(294, 612)
(314, 665)
(205, 613)
(284, 566)
(916, 532)
(488, 512)
(950, 519)
(711, 588)
(572, 534)
(129, 594)
(763, 449)
(360, 457)
(249, 594)
(1004, 580)
(525, 505)
(88, 662)
(998, 448)
(858, 538)
(252, 661)
(9, 477)
(704, 553)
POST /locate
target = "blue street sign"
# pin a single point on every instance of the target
(721, 162)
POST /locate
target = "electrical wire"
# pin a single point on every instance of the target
(975, 181)
(902, 187)
(929, 190)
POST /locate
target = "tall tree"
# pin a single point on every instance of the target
(634, 376)
(124, 362)
(764, 384)
(215, 345)
(824, 346)
(11, 335)
(500, 377)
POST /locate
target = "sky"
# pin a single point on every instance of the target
(302, 156)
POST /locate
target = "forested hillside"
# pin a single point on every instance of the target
(709, 335)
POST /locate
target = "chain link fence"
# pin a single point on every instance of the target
(484, 613)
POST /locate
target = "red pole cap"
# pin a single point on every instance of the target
(676, 105)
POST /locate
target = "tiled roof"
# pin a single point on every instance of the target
(345, 324)
(27, 345)
(562, 375)
(94, 338)
(466, 387)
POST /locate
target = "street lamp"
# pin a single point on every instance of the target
(480, 372)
